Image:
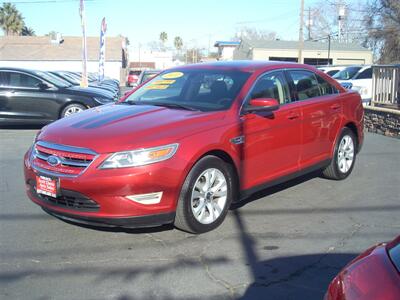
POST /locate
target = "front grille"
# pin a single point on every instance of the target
(67, 199)
(68, 160)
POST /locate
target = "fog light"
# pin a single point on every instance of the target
(152, 198)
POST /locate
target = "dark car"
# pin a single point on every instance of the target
(37, 97)
(192, 140)
(373, 275)
(75, 80)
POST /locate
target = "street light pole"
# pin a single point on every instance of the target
(301, 37)
(329, 49)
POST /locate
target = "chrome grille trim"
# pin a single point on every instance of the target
(66, 148)
(69, 162)
(65, 162)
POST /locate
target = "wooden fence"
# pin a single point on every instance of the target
(386, 85)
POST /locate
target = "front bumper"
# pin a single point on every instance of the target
(129, 222)
(99, 197)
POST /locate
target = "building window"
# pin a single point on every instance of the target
(276, 58)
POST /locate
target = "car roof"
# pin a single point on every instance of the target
(243, 65)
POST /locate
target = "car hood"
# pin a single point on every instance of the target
(90, 91)
(118, 127)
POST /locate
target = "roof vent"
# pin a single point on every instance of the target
(56, 38)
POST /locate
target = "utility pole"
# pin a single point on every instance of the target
(341, 20)
(301, 37)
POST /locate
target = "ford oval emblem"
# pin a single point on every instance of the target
(53, 160)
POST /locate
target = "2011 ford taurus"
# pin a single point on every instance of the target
(185, 145)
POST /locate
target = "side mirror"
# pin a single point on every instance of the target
(43, 86)
(262, 104)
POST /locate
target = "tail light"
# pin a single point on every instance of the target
(394, 253)
(372, 277)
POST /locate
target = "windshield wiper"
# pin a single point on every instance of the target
(175, 105)
(163, 104)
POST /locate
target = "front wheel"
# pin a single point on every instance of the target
(72, 109)
(205, 196)
(344, 156)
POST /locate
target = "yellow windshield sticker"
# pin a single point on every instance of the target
(163, 82)
(156, 87)
(172, 75)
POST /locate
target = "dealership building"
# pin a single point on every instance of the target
(62, 53)
(314, 53)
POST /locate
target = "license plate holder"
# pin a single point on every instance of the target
(47, 185)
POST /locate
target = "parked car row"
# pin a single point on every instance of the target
(40, 97)
(356, 77)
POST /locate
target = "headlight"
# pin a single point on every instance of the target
(36, 136)
(361, 90)
(102, 100)
(140, 157)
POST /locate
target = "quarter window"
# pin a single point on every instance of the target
(272, 85)
(306, 84)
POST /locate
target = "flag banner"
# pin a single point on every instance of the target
(84, 80)
(102, 56)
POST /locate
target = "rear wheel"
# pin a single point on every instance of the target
(72, 109)
(205, 196)
(344, 156)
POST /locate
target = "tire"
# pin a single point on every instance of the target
(72, 109)
(344, 157)
(201, 209)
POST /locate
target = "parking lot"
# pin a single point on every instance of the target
(287, 242)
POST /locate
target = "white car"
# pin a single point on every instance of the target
(331, 70)
(357, 78)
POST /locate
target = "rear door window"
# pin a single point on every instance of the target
(306, 84)
(366, 74)
(325, 87)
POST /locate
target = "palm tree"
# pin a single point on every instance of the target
(11, 20)
(163, 37)
(178, 43)
(27, 31)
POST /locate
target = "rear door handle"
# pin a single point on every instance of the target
(293, 116)
(335, 106)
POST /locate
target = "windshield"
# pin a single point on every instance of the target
(69, 77)
(198, 89)
(347, 73)
(53, 79)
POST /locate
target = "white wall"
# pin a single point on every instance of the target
(111, 69)
(162, 59)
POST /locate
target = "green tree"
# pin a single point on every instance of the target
(163, 37)
(27, 31)
(11, 20)
(178, 43)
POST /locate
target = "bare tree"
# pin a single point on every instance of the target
(253, 34)
(383, 26)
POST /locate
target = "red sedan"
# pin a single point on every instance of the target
(185, 145)
(373, 275)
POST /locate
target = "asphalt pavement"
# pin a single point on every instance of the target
(287, 242)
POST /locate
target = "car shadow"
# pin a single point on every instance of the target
(22, 127)
(275, 189)
(288, 277)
